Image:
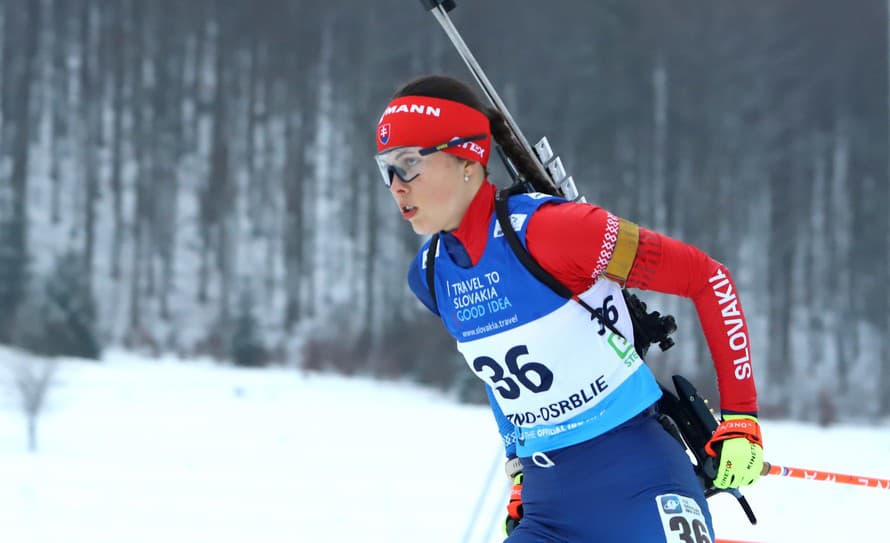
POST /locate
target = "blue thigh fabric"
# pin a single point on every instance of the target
(624, 486)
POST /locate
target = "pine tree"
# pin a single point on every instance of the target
(60, 318)
(13, 277)
(247, 348)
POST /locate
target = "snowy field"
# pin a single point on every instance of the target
(135, 451)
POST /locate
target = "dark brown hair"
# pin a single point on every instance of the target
(450, 88)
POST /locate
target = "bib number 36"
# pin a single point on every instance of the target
(682, 519)
(533, 376)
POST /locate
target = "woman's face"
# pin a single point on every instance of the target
(437, 198)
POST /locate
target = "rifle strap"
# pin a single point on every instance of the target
(431, 267)
(502, 213)
(503, 216)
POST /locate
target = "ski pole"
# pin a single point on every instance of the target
(827, 476)
(498, 514)
(480, 501)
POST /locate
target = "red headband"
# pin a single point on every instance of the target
(425, 122)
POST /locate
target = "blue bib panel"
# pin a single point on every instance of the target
(559, 376)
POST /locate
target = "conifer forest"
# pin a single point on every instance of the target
(196, 176)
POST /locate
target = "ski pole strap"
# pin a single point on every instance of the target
(731, 429)
(512, 468)
(826, 476)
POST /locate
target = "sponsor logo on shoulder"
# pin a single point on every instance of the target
(537, 195)
(516, 221)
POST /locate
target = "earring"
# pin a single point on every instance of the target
(466, 178)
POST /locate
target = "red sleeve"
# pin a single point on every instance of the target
(574, 243)
(666, 265)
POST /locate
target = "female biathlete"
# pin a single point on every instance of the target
(574, 403)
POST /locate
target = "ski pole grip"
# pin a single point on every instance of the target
(447, 5)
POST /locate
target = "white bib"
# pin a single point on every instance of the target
(561, 364)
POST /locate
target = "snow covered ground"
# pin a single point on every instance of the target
(133, 450)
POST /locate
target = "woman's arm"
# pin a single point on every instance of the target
(664, 264)
(576, 243)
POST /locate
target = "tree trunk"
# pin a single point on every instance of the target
(90, 106)
(32, 432)
(58, 122)
(119, 44)
(19, 69)
(293, 224)
(138, 255)
(780, 253)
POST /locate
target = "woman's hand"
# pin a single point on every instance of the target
(738, 444)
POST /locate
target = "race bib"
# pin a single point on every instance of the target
(682, 519)
(560, 365)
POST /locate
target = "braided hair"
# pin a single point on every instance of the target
(450, 88)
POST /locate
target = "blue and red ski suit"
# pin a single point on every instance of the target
(573, 400)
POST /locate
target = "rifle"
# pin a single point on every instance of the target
(549, 165)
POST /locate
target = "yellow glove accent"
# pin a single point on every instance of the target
(741, 459)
